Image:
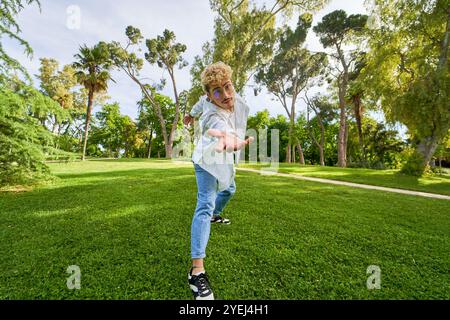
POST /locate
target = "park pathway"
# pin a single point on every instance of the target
(349, 184)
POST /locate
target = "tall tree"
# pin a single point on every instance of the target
(335, 31)
(443, 150)
(58, 85)
(408, 71)
(383, 146)
(148, 121)
(24, 140)
(300, 138)
(110, 129)
(355, 95)
(92, 67)
(245, 32)
(291, 71)
(166, 54)
(324, 112)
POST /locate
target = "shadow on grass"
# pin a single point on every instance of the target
(129, 232)
(122, 234)
(127, 160)
(140, 172)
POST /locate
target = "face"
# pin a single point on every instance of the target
(222, 94)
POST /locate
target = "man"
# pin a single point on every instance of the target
(222, 127)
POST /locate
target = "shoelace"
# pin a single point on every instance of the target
(202, 282)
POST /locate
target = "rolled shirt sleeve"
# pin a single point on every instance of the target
(197, 109)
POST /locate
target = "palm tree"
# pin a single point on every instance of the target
(92, 67)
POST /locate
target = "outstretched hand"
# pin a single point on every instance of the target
(228, 142)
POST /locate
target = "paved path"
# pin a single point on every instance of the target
(350, 184)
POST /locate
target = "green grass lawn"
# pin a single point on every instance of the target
(126, 224)
(386, 178)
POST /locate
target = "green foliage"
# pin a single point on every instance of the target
(318, 129)
(292, 69)
(280, 123)
(22, 135)
(310, 149)
(165, 52)
(335, 31)
(414, 164)
(9, 9)
(57, 84)
(245, 33)
(408, 71)
(383, 147)
(92, 67)
(293, 66)
(443, 149)
(200, 63)
(336, 28)
(148, 122)
(114, 133)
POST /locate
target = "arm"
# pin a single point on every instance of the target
(197, 109)
(195, 112)
(228, 140)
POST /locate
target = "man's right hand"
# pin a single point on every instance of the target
(228, 142)
(188, 120)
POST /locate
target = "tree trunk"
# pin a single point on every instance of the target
(427, 145)
(293, 153)
(88, 120)
(289, 146)
(55, 125)
(149, 154)
(300, 153)
(168, 139)
(322, 144)
(288, 153)
(358, 117)
(342, 139)
(346, 141)
(342, 150)
(169, 149)
(292, 117)
(426, 148)
(322, 157)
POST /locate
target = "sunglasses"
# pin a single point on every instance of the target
(220, 91)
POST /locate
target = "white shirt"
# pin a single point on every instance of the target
(220, 165)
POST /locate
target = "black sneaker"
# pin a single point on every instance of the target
(200, 286)
(219, 219)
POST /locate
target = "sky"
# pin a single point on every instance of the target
(60, 27)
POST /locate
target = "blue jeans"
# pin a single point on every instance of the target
(209, 202)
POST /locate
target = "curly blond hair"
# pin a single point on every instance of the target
(215, 73)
